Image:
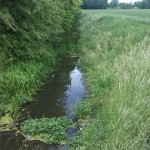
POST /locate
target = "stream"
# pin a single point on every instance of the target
(62, 90)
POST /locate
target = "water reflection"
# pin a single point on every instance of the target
(60, 93)
(75, 91)
(12, 141)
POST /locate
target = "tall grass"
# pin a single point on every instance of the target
(18, 83)
(117, 69)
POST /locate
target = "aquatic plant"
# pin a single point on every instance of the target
(48, 130)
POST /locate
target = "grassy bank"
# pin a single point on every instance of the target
(18, 83)
(116, 53)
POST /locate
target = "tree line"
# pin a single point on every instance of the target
(144, 4)
(95, 4)
(103, 4)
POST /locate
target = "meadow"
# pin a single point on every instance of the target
(116, 61)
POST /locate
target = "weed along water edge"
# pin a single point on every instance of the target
(55, 99)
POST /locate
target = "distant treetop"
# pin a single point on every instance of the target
(95, 4)
(103, 4)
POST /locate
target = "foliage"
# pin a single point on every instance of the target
(144, 4)
(125, 5)
(18, 83)
(75, 141)
(95, 4)
(87, 108)
(47, 130)
(116, 64)
(31, 37)
(26, 26)
(103, 4)
(113, 3)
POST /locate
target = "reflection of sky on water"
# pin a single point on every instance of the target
(76, 89)
(60, 93)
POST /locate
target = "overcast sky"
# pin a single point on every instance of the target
(127, 1)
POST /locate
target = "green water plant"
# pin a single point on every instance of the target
(48, 130)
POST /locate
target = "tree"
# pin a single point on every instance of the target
(114, 3)
(125, 5)
(147, 4)
(144, 4)
(27, 27)
(95, 4)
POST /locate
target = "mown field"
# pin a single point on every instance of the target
(116, 62)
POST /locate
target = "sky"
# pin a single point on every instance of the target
(126, 1)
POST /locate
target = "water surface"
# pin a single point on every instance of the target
(62, 90)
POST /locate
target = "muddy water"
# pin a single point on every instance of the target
(64, 88)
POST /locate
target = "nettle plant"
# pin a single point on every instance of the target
(48, 130)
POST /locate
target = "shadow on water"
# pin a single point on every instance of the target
(13, 141)
(63, 88)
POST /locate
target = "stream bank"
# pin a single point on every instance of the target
(62, 90)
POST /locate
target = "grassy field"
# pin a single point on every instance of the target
(116, 62)
(140, 13)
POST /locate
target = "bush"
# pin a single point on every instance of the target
(27, 26)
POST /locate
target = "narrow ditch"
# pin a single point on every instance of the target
(62, 90)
